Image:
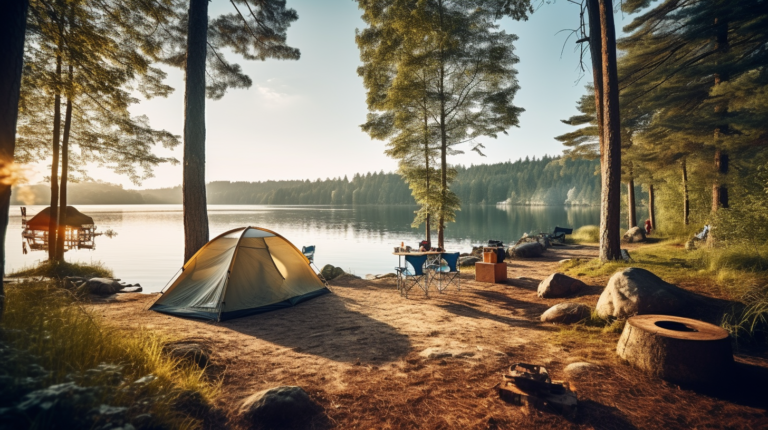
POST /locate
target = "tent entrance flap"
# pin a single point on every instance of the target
(242, 272)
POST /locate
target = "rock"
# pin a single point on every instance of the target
(386, 275)
(338, 271)
(327, 271)
(477, 251)
(280, 407)
(135, 289)
(527, 250)
(370, 277)
(101, 286)
(468, 261)
(559, 285)
(580, 368)
(566, 313)
(544, 240)
(191, 403)
(436, 353)
(346, 277)
(189, 351)
(634, 235)
(636, 291)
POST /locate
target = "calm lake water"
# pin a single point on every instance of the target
(149, 245)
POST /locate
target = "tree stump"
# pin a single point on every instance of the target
(680, 350)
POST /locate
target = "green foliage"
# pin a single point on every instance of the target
(60, 269)
(438, 75)
(586, 234)
(105, 57)
(68, 340)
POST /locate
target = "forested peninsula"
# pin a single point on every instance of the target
(543, 181)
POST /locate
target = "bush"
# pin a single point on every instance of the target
(90, 365)
(749, 324)
(586, 234)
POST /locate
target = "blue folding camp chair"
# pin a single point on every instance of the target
(412, 274)
(309, 252)
(449, 272)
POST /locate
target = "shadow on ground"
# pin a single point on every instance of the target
(327, 328)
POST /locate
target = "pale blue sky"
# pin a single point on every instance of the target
(300, 119)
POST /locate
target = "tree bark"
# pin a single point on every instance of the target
(719, 188)
(53, 225)
(651, 207)
(595, 47)
(194, 196)
(631, 203)
(62, 234)
(610, 205)
(13, 22)
(686, 207)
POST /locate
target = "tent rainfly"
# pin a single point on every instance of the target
(245, 271)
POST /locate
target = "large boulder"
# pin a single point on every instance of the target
(566, 313)
(469, 261)
(634, 235)
(280, 407)
(527, 250)
(559, 285)
(636, 291)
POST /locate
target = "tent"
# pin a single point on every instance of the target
(245, 271)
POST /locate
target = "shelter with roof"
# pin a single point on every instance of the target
(245, 271)
(80, 229)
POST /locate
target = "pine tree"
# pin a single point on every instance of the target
(464, 64)
(256, 32)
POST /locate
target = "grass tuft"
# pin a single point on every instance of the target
(61, 269)
(586, 234)
(67, 339)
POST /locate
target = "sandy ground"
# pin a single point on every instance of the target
(357, 352)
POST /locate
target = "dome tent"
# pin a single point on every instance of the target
(245, 271)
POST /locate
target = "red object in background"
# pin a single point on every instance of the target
(648, 227)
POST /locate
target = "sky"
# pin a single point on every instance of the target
(301, 119)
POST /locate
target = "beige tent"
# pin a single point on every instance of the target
(242, 272)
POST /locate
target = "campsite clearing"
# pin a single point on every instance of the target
(364, 352)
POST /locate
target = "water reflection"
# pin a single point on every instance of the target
(150, 241)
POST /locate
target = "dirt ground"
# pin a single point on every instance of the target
(357, 352)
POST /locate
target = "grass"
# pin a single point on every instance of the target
(586, 234)
(50, 324)
(738, 273)
(61, 269)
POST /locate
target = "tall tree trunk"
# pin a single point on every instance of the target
(719, 188)
(53, 225)
(686, 207)
(651, 207)
(631, 203)
(428, 236)
(13, 22)
(195, 203)
(62, 234)
(443, 163)
(610, 200)
(595, 50)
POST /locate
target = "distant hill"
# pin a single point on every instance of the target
(544, 181)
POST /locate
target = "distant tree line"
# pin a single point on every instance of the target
(542, 181)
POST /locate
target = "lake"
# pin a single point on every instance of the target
(149, 245)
